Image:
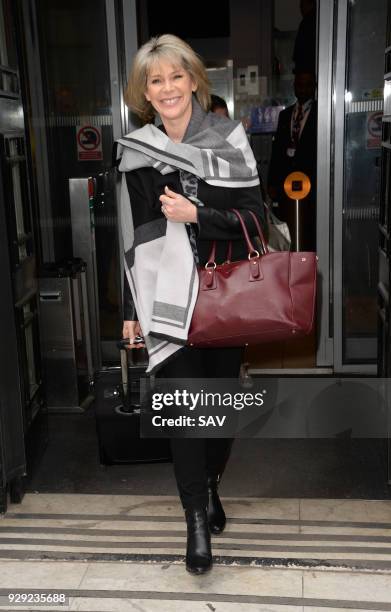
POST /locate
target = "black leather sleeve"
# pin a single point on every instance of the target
(130, 313)
(223, 224)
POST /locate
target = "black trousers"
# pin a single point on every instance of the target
(197, 458)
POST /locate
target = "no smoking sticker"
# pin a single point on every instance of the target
(89, 143)
(374, 130)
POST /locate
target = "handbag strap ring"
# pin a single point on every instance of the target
(253, 254)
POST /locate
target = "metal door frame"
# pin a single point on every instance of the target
(324, 237)
(122, 38)
(122, 43)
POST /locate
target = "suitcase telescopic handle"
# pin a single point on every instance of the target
(123, 343)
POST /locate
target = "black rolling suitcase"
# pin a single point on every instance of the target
(117, 412)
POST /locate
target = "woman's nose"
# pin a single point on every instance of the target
(167, 85)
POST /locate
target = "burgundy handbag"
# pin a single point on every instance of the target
(265, 298)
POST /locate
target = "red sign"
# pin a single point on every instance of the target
(374, 130)
(89, 143)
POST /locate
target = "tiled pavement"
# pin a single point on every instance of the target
(120, 552)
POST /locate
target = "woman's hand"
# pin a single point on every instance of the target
(130, 330)
(175, 207)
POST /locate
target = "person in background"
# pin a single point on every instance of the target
(219, 106)
(169, 79)
(295, 149)
(304, 53)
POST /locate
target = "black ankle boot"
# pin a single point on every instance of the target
(198, 552)
(216, 514)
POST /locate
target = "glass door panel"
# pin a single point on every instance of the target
(365, 33)
(78, 107)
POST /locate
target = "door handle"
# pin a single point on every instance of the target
(50, 296)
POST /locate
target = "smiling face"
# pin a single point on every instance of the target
(169, 89)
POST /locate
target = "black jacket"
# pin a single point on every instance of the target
(215, 220)
(305, 158)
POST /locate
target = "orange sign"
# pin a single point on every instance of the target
(297, 185)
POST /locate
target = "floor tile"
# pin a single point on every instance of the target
(98, 504)
(354, 586)
(230, 580)
(41, 574)
(345, 510)
(144, 505)
(142, 605)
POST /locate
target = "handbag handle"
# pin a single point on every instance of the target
(250, 246)
(260, 232)
(229, 252)
(212, 254)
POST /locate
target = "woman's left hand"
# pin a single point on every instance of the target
(175, 207)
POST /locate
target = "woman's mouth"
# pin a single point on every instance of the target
(170, 101)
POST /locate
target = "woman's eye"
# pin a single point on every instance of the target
(155, 81)
(178, 76)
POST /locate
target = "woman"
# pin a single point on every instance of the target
(179, 182)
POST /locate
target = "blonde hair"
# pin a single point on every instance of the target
(175, 50)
